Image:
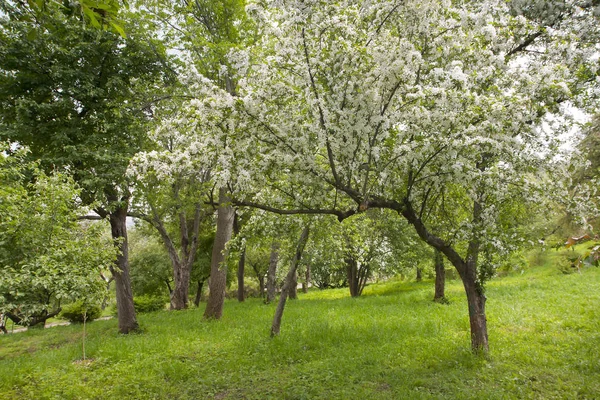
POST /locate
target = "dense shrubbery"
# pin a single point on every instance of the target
(149, 303)
(75, 312)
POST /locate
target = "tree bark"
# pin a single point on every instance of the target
(120, 271)
(276, 326)
(271, 273)
(419, 274)
(218, 267)
(198, 293)
(293, 293)
(440, 279)
(306, 279)
(240, 275)
(476, 301)
(352, 276)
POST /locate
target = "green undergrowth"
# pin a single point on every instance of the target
(391, 343)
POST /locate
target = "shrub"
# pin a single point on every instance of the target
(146, 303)
(74, 312)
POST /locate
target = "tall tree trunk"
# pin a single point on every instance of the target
(440, 279)
(293, 293)
(306, 282)
(419, 274)
(218, 267)
(240, 275)
(198, 293)
(352, 276)
(271, 272)
(289, 282)
(120, 271)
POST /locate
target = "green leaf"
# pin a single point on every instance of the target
(119, 29)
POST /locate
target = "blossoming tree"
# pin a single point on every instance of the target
(433, 109)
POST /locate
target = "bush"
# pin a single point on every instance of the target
(145, 303)
(74, 312)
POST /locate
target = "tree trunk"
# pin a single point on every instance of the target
(306, 282)
(120, 271)
(467, 271)
(198, 293)
(271, 273)
(180, 294)
(293, 293)
(440, 279)
(218, 267)
(352, 276)
(240, 275)
(363, 275)
(419, 274)
(289, 281)
(261, 279)
(476, 301)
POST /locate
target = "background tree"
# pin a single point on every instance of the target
(47, 257)
(79, 98)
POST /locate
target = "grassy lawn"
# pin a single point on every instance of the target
(392, 343)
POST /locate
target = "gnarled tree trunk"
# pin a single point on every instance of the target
(271, 272)
(218, 267)
(275, 327)
(120, 271)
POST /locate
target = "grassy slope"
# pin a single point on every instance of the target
(393, 343)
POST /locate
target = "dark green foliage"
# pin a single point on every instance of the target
(76, 312)
(145, 304)
(76, 96)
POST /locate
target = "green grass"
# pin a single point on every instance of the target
(392, 343)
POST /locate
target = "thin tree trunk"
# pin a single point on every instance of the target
(240, 275)
(261, 279)
(419, 274)
(352, 275)
(275, 328)
(218, 267)
(293, 293)
(198, 293)
(306, 282)
(261, 286)
(363, 275)
(120, 271)
(440, 279)
(271, 273)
